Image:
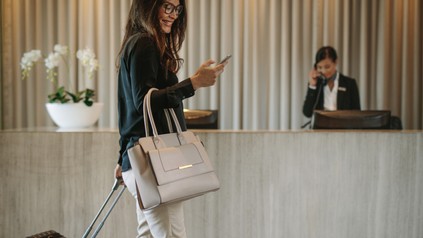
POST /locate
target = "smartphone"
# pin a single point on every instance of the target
(225, 59)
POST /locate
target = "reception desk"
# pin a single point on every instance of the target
(325, 184)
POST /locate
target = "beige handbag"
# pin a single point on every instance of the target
(169, 167)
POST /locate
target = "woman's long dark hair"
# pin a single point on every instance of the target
(144, 18)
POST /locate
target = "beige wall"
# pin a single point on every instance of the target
(274, 184)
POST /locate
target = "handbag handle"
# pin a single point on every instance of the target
(169, 122)
(148, 116)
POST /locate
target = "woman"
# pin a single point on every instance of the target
(327, 88)
(149, 58)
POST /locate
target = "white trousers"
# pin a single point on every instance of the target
(164, 221)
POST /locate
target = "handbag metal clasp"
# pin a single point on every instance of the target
(185, 166)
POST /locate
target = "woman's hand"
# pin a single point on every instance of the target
(206, 75)
(313, 77)
(118, 174)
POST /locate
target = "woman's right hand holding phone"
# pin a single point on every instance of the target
(206, 74)
(313, 75)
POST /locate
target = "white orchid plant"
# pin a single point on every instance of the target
(61, 53)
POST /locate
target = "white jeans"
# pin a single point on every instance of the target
(165, 221)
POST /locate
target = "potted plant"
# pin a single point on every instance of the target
(68, 107)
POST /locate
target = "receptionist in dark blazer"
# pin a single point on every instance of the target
(328, 89)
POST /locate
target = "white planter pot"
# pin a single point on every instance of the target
(74, 115)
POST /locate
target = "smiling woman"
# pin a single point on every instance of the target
(168, 14)
(149, 58)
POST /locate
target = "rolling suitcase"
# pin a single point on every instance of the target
(54, 234)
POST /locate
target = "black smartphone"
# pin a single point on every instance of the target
(225, 59)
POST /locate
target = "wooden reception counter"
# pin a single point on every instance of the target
(273, 184)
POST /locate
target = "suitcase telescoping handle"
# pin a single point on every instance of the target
(114, 188)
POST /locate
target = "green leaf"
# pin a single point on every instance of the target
(89, 94)
(59, 96)
(75, 97)
(89, 103)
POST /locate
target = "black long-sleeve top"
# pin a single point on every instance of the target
(347, 99)
(140, 69)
